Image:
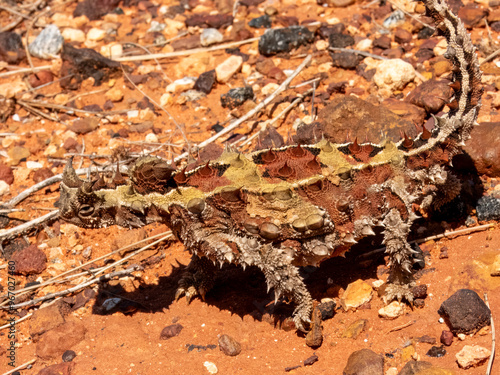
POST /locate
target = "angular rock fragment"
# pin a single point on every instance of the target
(284, 40)
(48, 43)
(80, 64)
(236, 97)
(465, 312)
(11, 47)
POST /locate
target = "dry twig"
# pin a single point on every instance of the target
(492, 355)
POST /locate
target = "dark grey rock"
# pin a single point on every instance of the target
(337, 40)
(488, 208)
(284, 40)
(236, 97)
(327, 310)
(436, 351)
(68, 356)
(11, 47)
(345, 60)
(262, 22)
(465, 312)
(205, 82)
(364, 362)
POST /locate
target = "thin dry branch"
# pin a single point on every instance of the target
(76, 288)
(23, 366)
(185, 52)
(19, 292)
(493, 344)
(257, 108)
(25, 70)
(24, 227)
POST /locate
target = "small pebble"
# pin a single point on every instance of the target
(436, 351)
(392, 310)
(171, 331)
(73, 35)
(229, 346)
(472, 356)
(68, 356)
(228, 68)
(211, 367)
(210, 36)
(446, 338)
(48, 43)
(96, 34)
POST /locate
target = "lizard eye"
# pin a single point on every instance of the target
(86, 210)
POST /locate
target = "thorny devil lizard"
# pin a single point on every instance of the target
(283, 208)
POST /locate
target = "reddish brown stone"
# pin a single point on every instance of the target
(6, 174)
(56, 341)
(40, 78)
(431, 95)
(42, 174)
(472, 14)
(30, 260)
(64, 368)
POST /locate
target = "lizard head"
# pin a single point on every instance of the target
(81, 203)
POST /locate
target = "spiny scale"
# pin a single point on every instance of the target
(297, 205)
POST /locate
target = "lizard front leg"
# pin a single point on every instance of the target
(400, 257)
(198, 278)
(284, 278)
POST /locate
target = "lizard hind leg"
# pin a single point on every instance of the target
(284, 278)
(198, 279)
(400, 258)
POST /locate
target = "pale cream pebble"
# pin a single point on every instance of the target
(115, 94)
(325, 67)
(9, 140)
(73, 35)
(95, 34)
(80, 21)
(472, 356)
(146, 69)
(146, 115)
(166, 99)
(114, 143)
(393, 74)
(62, 20)
(50, 150)
(4, 188)
(225, 70)
(269, 88)
(392, 310)
(364, 45)
(172, 26)
(246, 69)
(181, 85)
(151, 138)
(68, 134)
(11, 89)
(333, 21)
(55, 66)
(112, 50)
(21, 174)
(440, 48)
(321, 45)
